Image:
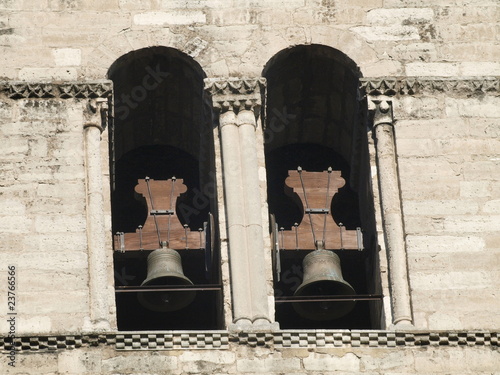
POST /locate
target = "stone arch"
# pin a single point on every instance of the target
(352, 45)
(314, 121)
(212, 56)
(162, 130)
(122, 43)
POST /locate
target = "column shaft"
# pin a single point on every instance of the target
(96, 235)
(393, 223)
(235, 213)
(253, 214)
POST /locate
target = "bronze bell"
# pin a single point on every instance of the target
(165, 268)
(323, 277)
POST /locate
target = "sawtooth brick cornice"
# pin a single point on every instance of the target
(49, 90)
(395, 86)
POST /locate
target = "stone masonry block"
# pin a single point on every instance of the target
(475, 189)
(14, 146)
(15, 224)
(178, 17)
(416, 51)
(433, 188)
(437, 299)
(225, 357)
(400, 16)
(435, 147)
(472, 224)
(47, 261)
(488, 106)
(439, 128)
(79, 362)
(35, 324)
(66, 191)
(386, 363)
(476, 280)
(175, 4)
(12, 207)
(418, 107)
(484, 128)
(444, 244)
(263, 365)
(50, 302)
(60, 223)
(466, 261)
(67, 56)
(488, 169)
(387, 33)
(43, 74)
(480, 68)
(55, 242)
(492, 207)
(480, 359)
(67, 280)
(440, 207)
(469, 52)
(270, 3)
(431, 168)
(437, 360)
(344, 363)
(432, 69)
(147, 364)
(42, 364)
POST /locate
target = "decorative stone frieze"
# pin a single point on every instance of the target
(24, 90)
(390, 86)
(87, 90)
(222, 340)
(236, 93)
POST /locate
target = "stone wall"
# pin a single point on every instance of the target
(44, 211)
(448, 156)
(77, 39)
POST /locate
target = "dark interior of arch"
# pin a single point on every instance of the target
(313, 121)
(162, 128)
(311, 117)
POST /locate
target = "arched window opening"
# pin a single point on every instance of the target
(319, 192)
(162, 194)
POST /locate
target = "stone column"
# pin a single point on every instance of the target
(95, 117)
(238, 102)
(392, 214)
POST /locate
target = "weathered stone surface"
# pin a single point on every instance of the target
(438, 61)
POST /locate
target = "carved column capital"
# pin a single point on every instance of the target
(380, 108)
(235, 94)
(96, 113)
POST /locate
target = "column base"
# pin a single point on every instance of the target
(258, 325)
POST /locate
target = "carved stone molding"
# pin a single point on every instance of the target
(28, 90)
(390, 86)
(221, 340)
(236, 93)
(86, 90)
(382, 111)
(68, 90)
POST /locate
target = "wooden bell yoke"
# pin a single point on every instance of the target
(317, 230)
(162, 226)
